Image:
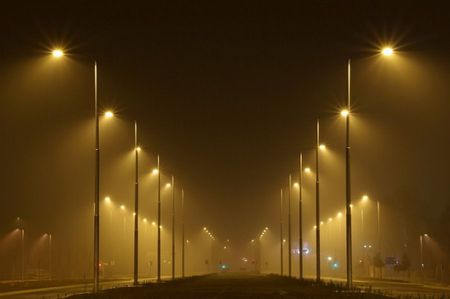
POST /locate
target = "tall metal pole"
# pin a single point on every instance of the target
(159, 225)
(22, 245)
(173, 227)
(317, 203)
(182, 233)
(136, 204)
(421, 256)
(289, 229)
(97, 190)
(300, 217)
(348, 195)
(281, 232)
(378, 226)
(50, 258)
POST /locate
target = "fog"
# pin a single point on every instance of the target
(228, 107)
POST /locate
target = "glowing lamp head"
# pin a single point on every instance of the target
(330, 219)
(339, 214)
(107, 199)
(168, 185)
(345, 113)
(145, 220)
(322, 147)
(109, 114)
(296, 185)
(387, 51)
(57, 53)
(365, 198)
(122, 207)
(138, 149)
(307, 170)
(155, 171)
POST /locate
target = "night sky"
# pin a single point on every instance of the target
(227, 93)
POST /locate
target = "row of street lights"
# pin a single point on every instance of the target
(346, 113)
(58, 54)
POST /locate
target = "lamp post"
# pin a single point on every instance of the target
(136, 204)
(159, 226)
(317, 203)
(281, 232)
(97, 189)
(387, 51)
(173, 227)
(289, 228)
(22, 249)
(57, 54)
(182, 233)
(348, 199)
(300, 217)
(50, 260)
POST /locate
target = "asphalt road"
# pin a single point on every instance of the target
(217, 286)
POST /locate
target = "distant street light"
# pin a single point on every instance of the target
(318, 147)
(136, 204)
(300, 216)
(109, 114)
(281, 232)
(159, 225)
(173, 227)
(289, 228)
(22, 246)
(182, 234)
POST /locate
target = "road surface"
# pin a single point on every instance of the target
(224, 285)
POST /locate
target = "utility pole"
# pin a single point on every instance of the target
(348, 194)
(317, 204)
(182, 233)
(173, 228)
(289, 228)
(281, 232)
(159, 226)
(300, 217)
(136, 205)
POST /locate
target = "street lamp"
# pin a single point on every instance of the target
(318, 147)
(109, 114)
(173, 227)
(300, 216)
(159, 224)
(387, 51)
(182, 233)
(289, 228)
(136, 204)
(281, 232)
(57, 53)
